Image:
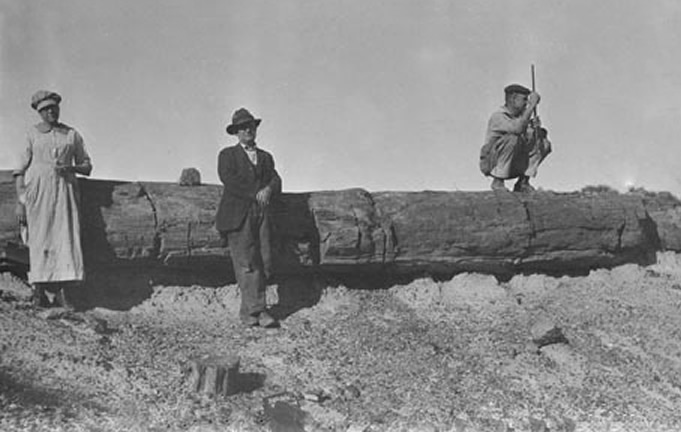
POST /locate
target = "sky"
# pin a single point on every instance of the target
(376, 94)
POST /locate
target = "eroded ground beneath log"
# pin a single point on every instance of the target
(426, 355)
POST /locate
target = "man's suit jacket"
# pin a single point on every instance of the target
(242, 180)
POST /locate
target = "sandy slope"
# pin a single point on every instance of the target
(423, 355)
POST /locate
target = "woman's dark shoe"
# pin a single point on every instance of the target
(39, 299)
(64, 298)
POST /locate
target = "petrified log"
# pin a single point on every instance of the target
(214, 375)
(352, 231)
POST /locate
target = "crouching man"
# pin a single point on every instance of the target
(515, 143)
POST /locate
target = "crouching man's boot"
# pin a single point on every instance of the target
(523, 185)
(498, 185)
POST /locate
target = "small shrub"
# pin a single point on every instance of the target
(599, 189)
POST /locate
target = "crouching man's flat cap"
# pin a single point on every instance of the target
(517, 88)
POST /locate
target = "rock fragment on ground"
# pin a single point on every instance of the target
(82, 322)
(13, 288)
(545, 332)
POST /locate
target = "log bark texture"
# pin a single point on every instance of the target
(351, 231)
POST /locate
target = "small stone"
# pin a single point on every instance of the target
(537, 425)
(55, 314)
(545, 332)
(569, 425)
(190, 177)
(97, 325)
(459, 425)
(312, 397)
(351, 392)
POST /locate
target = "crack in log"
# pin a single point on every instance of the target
(358, 242)
(189, 238)
(620, 229)
(157, 240)
(323, 242)
(384, 246)
(620, 233)
(387, 241)
(651, 232)
(650, 227)
(533, 231)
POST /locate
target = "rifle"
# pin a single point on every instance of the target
(535, 130)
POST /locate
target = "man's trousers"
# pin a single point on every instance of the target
(251, 254)
(513, 156)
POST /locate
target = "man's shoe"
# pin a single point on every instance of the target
(266, 320)
(250, 321)
(498, 185)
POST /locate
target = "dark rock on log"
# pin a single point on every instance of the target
(214, 375)
(190, 177)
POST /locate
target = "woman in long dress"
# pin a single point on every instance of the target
(48, 194)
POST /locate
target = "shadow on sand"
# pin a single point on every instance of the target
(26, 395)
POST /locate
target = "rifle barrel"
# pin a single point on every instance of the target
(533, 87)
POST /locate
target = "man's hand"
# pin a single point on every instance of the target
(263, 196)
(535, 123)
(83, 169)
(533, 100)
(20, 212)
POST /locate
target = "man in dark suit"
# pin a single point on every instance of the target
(250, 182)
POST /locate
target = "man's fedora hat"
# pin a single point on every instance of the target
(517, 88)
(240, 118)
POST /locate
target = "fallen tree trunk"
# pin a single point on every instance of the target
(351, 231)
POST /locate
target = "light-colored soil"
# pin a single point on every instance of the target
(453, 355)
